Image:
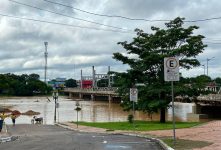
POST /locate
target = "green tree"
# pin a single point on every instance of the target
(190, 88)
(218, 80)
(34, 76)
(145, 55)
(71, 83)
(23, 85)
(102, 83)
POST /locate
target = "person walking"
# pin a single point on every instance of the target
(13, 119)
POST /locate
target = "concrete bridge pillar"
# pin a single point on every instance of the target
(196, 114)
(197, 109)
(110, 98)
(70, 95)
(80, 95)
(92, 97)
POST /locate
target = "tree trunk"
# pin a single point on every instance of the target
(162, 115)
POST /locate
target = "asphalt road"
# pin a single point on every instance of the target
(49, 137)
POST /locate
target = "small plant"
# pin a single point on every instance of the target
(130, 118)
(78, 108)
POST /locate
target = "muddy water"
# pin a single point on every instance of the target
(92, 111)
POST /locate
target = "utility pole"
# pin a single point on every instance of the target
(109, 79)
(207, 60)
(204, 67)
(46, 57)
(93, 77)
(55, 97)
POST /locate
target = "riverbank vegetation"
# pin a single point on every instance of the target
(139, 125)
(22, 85)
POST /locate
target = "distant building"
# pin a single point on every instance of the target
(87, 84)
(213, 86)
(58, 83)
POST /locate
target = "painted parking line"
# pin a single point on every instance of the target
(130, 142)
(104, 142)
(97, 136)
(113, 147)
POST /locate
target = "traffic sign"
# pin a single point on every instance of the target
(133, 94)
(171, 69)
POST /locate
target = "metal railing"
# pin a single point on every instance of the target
(98, 89)
(210, 97)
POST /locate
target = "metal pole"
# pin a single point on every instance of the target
(133, 109)
(77, 118)
(81, 79)
(93, 77)
(109, 84)
(208, 59)
(55, 102)
(46, 56)
(174, 132)
(133, 116)
(207, 66)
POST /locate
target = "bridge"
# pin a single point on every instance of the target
(210, 99)
(93, 93)
(206, 106)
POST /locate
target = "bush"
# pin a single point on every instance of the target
(130, 118)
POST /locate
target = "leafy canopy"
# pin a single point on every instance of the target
(145, 55)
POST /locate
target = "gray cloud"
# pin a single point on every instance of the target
(72, 49)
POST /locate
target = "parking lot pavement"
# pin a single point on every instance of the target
(49, 137)
(4, 135)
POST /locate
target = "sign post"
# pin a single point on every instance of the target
(171, 73)
(133, 97)
(77, 109)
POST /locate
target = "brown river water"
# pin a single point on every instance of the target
(92, 111)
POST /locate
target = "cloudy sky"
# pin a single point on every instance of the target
(84, 40)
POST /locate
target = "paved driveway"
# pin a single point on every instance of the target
(46, 137)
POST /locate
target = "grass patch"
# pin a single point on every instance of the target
(139, 125)
(182, 144)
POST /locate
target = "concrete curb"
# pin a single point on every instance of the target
(160, 142)
(6, 139)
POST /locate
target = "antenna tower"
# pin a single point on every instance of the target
(46, 57)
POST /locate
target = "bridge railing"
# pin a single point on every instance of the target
(210, 97)
(105, 89)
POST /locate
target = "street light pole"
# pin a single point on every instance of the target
(207, 60)
(55, 97)
(46, 56)
(204, 67)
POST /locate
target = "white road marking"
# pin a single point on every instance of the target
(104, 142)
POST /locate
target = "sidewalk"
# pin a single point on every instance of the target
(209, 132)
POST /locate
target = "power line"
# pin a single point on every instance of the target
(103, 15)
(68, 16)
(128, 18)
(203, 20)
(212, 39)
(212, 42)
(63, 24)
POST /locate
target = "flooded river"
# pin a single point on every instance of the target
(92, 111)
